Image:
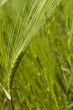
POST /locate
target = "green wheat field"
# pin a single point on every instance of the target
(36, 54)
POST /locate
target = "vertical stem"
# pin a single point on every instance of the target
(12, 104)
